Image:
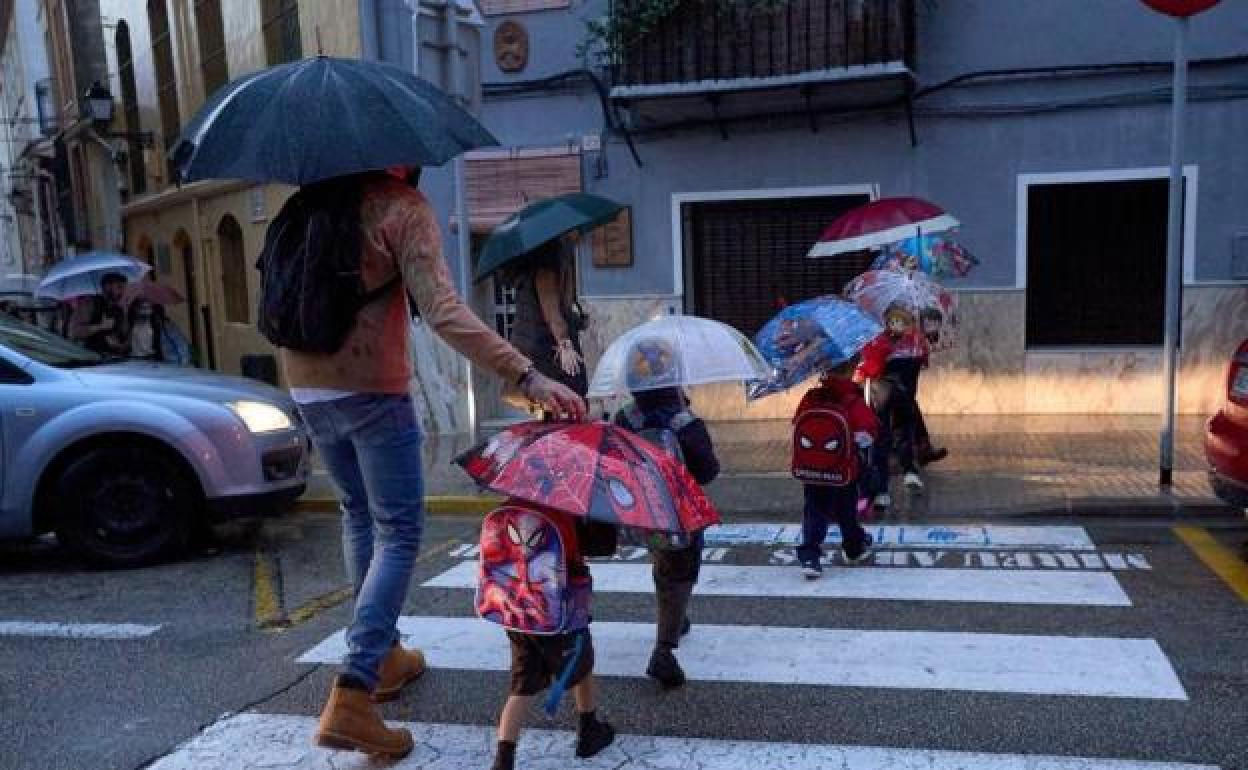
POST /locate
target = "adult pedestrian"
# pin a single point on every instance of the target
(99, 321)
(356, 405)
(549, 318)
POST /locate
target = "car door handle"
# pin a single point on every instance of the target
(25, 412)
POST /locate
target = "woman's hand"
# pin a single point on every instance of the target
(568, 359)
(554, 397)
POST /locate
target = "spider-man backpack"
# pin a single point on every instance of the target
(531, 578)
(824, 452)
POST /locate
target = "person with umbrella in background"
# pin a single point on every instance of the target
(339, 263)
(535, 251)
(99, 320)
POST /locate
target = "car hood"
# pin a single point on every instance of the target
(169, 380)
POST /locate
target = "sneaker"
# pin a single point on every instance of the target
(812, 569)
(592, 736)
(913, 482)
(868, 545)
(882, 501)
(665, 669)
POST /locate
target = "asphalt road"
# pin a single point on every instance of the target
(232, 624)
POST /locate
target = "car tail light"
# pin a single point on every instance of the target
(1237, 378)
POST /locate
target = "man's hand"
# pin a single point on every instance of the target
(556, 398)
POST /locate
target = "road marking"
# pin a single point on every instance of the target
(267, 592)
(1217, 557)
(925, 660)
(1091, 589)
(77, 630)
(990, 537)
(272, 740)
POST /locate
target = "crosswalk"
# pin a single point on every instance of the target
(935, 656)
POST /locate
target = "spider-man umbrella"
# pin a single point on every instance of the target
(879, 223)
(595, 470)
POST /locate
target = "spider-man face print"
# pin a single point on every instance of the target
(522, 571)
(822, 449)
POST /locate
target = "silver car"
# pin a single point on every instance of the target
(125, 460)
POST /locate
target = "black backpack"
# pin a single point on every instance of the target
(310, 284)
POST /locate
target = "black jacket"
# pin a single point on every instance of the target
(659, 408)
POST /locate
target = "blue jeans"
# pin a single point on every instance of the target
(840, 503)
(370, 445)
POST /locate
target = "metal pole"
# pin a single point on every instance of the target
(1174, 251)
(456, 86)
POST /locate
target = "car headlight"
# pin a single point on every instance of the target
(260, 417)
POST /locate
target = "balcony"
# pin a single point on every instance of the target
(724, 59)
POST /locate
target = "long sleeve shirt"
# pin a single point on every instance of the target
(401, 236)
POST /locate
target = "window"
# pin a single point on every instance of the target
(130, 109)
(282, 41)
(209, 28)
(1096, 263)
(166, 77)
(233, 271)
(748, 257)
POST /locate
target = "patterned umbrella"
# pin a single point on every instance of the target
(932, 308)
(880, 223)
(938, 255)
(595, 470)
(809, 338)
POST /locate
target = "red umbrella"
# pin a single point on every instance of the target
(879, 223)
(153, 292)
(595, 470)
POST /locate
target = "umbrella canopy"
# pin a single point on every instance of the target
(595, 470)
(809, 338)
(676, 351)
(319, 118)
(154, 292)
(80, 276)
(19, 283)
(541, 222)
(880, 223)
(939, 255)
(875, 291)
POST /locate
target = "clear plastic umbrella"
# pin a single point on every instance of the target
(80, 276)
(676, 351)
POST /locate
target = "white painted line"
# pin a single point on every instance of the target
(920, 660)
(1083, 588)
(77, 630)
(990, 537)
(270, 740)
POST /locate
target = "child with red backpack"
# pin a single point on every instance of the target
(662, 416)
(832, 429)
(533, 581)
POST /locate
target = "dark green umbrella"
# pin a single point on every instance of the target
(542, 222)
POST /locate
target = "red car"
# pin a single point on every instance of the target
(1226, 437)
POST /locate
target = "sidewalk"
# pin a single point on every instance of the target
(996, 466)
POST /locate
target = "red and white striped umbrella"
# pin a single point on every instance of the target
(880, 223)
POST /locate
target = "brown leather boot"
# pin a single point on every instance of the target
(350, 721)
(399, 668)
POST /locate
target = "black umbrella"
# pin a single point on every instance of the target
(323, 117)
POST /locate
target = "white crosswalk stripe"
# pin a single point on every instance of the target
(265, 740)
(1014, 570)
(940, 585)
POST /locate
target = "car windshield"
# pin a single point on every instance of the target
(43, 346)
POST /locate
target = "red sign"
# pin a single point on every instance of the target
(1181, 7)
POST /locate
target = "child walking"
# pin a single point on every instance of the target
(833, 426)
(663, 416)
(535, 583)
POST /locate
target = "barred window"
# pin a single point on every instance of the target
(166, 75)
(282, 41)
(210, 29)
(233, 271)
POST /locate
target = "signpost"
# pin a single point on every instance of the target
(1180, 10)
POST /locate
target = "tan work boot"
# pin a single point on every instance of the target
(350, 721)
(399, 668)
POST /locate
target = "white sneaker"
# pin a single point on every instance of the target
(912, 481)
(882, 501)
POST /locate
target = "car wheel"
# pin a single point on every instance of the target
(123, 506)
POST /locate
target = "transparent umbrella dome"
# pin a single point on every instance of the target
(676, 351)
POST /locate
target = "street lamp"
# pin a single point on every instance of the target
(100, 111)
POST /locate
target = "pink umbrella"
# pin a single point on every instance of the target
(880, 223)
(153, 292)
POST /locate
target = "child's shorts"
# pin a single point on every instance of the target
(536, 661)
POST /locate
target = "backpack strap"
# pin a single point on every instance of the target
(681, 420)
(633, 416)
(372, 296)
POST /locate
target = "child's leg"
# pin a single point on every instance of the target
(844, 504)
(814, 523)
(586, 694)
(592, 734)
(512, 721)
(675, 574)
